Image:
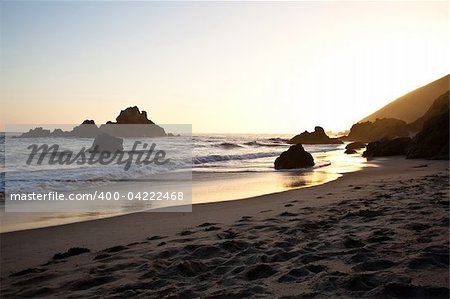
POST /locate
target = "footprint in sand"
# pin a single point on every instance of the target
(260, 271)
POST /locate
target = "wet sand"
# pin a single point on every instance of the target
(378, 232)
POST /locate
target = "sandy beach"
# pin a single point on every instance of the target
(380, 232)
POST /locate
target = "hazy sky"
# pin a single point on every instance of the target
(262, 67)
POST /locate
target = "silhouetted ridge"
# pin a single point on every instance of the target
(412, 105)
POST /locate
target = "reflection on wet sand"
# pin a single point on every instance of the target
(304, 179)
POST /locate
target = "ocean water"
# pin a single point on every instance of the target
(228, 167)
(224, 167)
(199, 153)
(40, 178)
(243, 153)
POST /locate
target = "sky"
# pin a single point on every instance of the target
(224, 67)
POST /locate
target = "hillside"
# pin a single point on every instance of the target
(412, 105)
(439, 105)
(393, 128)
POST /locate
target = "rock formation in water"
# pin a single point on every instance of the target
(132, 115)
(133, 123)
(294, 157)
(352, 147)
(87, 129)
(355, 145)
(130, 123)
(316, 137)
(350, 151)
(36, 132)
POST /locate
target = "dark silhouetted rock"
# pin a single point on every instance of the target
(355, 145)
(433, 141)
(316, 137)
(386, 128)
(88, 122)
(294, 157)
(133, 130)
(132, 115)
(87, 129)
(387, 147)
(278, 140)
(133, 123)
(106, 143)
(138, 125)
(350, 151)
(37, 132)
(61, 133)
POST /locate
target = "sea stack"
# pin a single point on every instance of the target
(294, 157)
(132, 122)
(316, 137)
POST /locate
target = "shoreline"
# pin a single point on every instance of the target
(124, 229)
(206, 187)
